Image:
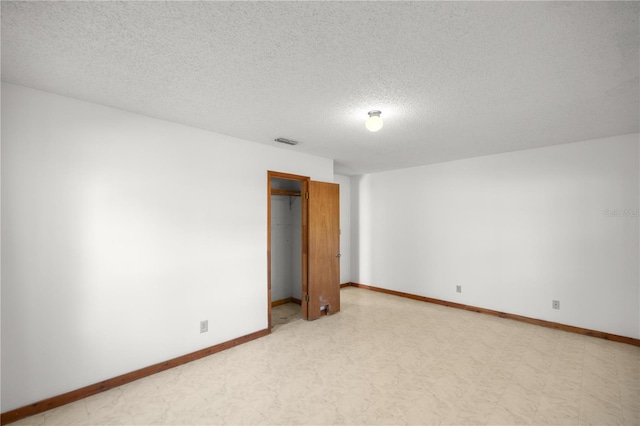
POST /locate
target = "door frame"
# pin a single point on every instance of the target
(304, 180)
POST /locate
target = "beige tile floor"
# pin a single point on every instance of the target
(385, 360)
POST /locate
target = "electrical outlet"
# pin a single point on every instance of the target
(555, 304)
(458, 289)
(204, 326)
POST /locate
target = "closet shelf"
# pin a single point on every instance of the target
(287, 192)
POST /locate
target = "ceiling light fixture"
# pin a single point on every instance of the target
(374, 122)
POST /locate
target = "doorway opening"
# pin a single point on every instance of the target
(287, 247)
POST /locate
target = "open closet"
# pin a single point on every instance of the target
(286, 241)
(303, 244)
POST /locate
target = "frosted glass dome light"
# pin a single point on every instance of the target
(374, 122)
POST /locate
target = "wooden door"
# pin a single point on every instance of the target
(323, 250)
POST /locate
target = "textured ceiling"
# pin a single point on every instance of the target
(452, 79)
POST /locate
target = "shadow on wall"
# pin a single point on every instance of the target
(355, 227)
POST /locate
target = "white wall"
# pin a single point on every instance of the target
(286, 247)
(281, 248)
(119, 234)
(296, 247)
(515, 230)
(345, 227)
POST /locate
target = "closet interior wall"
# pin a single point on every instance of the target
(286, 240)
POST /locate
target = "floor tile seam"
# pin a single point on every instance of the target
(62, 408)
(544, 385)
(119, 395)
(546, 380)
(159, 394)
(582, 365)
(147, 423)
(493, 408)
(535, 413)
(618, 382)
(504, 390)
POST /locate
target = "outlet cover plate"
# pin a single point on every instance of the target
(204, 326)
(458, 289)
(555, 304)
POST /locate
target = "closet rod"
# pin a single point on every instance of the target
(286, 192)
